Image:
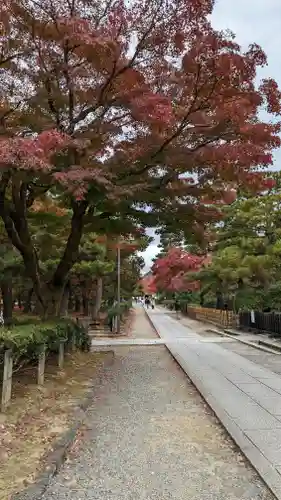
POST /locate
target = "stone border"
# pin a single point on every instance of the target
(152, 324)
(262, 346)
(57, 456)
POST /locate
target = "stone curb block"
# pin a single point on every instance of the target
(56, 458)
(261, 345)
(151, 323)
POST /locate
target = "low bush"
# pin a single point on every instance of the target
(25, 319)
(121, 310)
(26, 340)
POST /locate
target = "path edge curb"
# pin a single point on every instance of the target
(55, 458)
(269, 475)
(152, 324)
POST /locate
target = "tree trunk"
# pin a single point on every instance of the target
(14, 216)
(98, 298)
(70, 299)
(219, 301)
(52, 300)
(27, 302)
(85, 302)
(52, 295)
(77, 305)
(16, 223)
(65, 301)
(7, 297)
(72, 247)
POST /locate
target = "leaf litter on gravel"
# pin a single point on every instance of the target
(38, 416)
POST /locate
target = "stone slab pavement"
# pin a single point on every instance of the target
(245, 396)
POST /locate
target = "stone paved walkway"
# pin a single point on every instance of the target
(271, 361)
(245, 396)
(150, 436)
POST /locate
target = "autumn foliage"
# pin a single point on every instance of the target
(171, 271)
(119, 107)
(147, 284)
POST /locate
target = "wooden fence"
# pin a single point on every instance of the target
(223, 318)
(261, 322)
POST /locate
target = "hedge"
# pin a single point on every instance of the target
(26, 340)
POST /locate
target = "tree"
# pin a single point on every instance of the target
(87, 275)
(91, 281)
(171, 271)
(109, 105)
(246, 267)
(11, 269)
(147, 285)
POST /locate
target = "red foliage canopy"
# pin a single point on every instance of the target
(128, 244)
(93, 72)
(147, 283)
(171, 271)
(119, 105)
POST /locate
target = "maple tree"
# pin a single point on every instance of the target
(116, 108)
(147, 285)
(171, 270)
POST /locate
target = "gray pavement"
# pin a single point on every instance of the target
(270, 361)
(150, 436)
(245, 396)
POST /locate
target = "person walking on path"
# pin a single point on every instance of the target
(147, 301)
(177, 308)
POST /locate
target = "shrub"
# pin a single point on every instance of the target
(25, 319)
(117, 310)
(26, 340)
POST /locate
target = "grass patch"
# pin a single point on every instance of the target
(21, 318)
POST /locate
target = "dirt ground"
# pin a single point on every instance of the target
(38, 416)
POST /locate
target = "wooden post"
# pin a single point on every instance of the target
(73, 342)
(61, 355)
(7, 380)
(41, 365)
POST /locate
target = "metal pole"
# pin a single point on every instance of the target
(118, 285)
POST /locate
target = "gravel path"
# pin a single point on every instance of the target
(150, 437)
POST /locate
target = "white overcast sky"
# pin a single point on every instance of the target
(252, 21)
